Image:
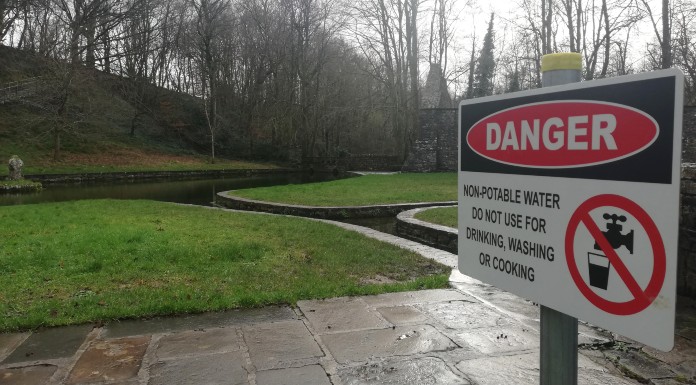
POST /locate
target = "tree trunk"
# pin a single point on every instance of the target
(56, 141)
(607, 39)
(666, 36)
(74, 44)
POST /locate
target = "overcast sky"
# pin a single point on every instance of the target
(474, 20)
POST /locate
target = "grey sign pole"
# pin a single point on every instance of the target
(559, 331)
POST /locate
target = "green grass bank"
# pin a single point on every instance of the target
(361, 191)
(92, 261)
(445, 216)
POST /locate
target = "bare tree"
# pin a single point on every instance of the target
(388, 36)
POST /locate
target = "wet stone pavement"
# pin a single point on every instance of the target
(470, 334)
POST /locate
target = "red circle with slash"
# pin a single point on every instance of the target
(642, 298)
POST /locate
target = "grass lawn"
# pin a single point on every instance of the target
(364, 190)
(445, 216)
(90, 261)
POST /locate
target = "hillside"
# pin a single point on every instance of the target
(108, 123)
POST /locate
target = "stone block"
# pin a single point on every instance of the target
(639, 364)
(421, 371)
(9, 342)
(27, 375)
(403, 315)
(416, 297)
(361, 346)
(465, 315)
(341, 314)
(197, 321)
(281, 345)
(523, 369)
(110, 360)
(217, 369)
(305, 375)
(499, 340)
(198, 342)
(50, 344)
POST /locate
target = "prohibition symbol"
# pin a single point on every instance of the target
(642, 297)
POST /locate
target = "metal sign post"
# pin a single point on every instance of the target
(559, 331)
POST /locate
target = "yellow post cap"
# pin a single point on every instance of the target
(561, 61)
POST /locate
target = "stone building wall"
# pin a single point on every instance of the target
(686, 275)
(436, 147)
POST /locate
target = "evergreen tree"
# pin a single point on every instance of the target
(514, 82)
(485, 65)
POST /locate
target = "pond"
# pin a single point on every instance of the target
(197, 191)
(192, 191)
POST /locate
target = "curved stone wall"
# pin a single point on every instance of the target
(441, 237)
(336, 212)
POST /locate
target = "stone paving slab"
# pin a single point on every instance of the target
(420, 371)
(683, 351)
(50, 344)
(416, 297)
(110, 360)
(306, 375)
(465, 315)
(341, 314)
(638, 363)
(9, 342)
(523, 369)
(403, 315)
(28, 375)
(159, 325)
(499, 340)
(281, 345)
(397, 341)
(199, 342)
(213, 369)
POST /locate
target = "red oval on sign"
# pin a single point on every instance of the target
(562, 134)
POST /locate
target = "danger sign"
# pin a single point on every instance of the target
(569, 196)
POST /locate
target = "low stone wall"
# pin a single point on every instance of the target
(686, 276)
(341, 212)
(108, 176)
(440, 237)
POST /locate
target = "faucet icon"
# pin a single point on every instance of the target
(613, 233)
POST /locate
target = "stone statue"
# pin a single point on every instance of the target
(15, 167)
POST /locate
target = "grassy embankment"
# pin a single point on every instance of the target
(364, 190)
(90, 261)
(98, 148)
(445, 216)
(103, 130)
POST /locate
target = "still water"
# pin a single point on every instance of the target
(198, 191)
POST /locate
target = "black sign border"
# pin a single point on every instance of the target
(655, 96)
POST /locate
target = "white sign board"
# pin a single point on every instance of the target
(569, 196)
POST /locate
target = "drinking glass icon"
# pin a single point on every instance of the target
(599, 270)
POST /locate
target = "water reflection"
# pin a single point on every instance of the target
(199, 191)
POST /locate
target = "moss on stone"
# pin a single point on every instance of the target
(22, 185)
